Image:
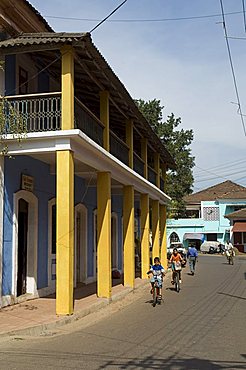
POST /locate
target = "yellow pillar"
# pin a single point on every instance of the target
(144, 155)
(129, 140)
(104, 117)
(145, 260)
(155, 230)
(64, 232)
(67, 87)
(157, 168)
(104, 281)
(163, 235)
(128, 235)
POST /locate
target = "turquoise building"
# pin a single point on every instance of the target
(205, 215)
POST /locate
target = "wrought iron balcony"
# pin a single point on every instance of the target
(119, 149)
(138, 164)
(162, 184)
(87, 122)
(37, 112)
(152, 175)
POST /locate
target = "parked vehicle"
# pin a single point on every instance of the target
(210, 247)
(180, 247)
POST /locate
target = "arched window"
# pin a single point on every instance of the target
(174, 238)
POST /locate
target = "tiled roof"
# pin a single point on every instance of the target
(42, 19)
(45, 38)
(82, 43)
(224, 190)
(237, 214)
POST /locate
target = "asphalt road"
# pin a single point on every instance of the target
(202, 327)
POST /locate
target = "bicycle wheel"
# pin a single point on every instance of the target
(177, 283)
(154, 296)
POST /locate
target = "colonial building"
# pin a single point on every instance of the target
(206, 213)
(77, 190)
(238, 229)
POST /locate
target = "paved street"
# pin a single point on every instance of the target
(202, 327)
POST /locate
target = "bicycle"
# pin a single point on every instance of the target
(176, 267)
(156, 286)
(230, 256)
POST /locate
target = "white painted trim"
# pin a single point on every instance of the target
(82, 210)
(88, 152)
(51, 283)
(114, 216)
(1, 219)
(32, 241)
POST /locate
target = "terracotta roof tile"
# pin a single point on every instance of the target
(224, 190)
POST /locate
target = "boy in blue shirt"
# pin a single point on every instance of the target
(158, 272)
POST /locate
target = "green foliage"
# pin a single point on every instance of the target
(11, 123)
(179, 182)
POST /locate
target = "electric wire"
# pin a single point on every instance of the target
(244, 17)
(142, 20)
(221, 171)
(226, 165)
(232, 67)
(240, 169)
(108, 16)
(59, 57)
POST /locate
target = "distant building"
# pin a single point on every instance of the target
(206, 215)
(238, 228)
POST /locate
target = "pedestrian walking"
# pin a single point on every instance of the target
(192, 255)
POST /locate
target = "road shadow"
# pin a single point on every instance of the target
(153, 362)
(245, 275)
(233, 296)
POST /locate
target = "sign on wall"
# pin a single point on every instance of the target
(27, 183)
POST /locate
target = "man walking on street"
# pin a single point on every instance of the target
(192, 254)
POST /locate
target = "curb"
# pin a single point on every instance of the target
(40, 329)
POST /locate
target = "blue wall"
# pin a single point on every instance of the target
(44, 190)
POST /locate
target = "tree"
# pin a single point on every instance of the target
(11, 122)
(179, 181)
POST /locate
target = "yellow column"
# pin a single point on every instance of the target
(155, 229)
(104, 117)
(145, 260)
(67, 88)
(104, 281)
(163, 234)
(157, 168)
(129, 140)
(128, 235)
(64, 232)
(144, 155)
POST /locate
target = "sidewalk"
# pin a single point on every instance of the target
(35, 316)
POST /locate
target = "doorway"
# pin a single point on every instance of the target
(22, 247)
(25, 243)
(80, 269)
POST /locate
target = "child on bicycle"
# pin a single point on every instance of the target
(175, 258)
(158, 272)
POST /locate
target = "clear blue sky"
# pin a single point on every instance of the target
(184, 63)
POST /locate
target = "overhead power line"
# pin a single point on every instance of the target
(244, 17)
(142, 20)
(232, 67)
(108, 16)
(56, 59)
